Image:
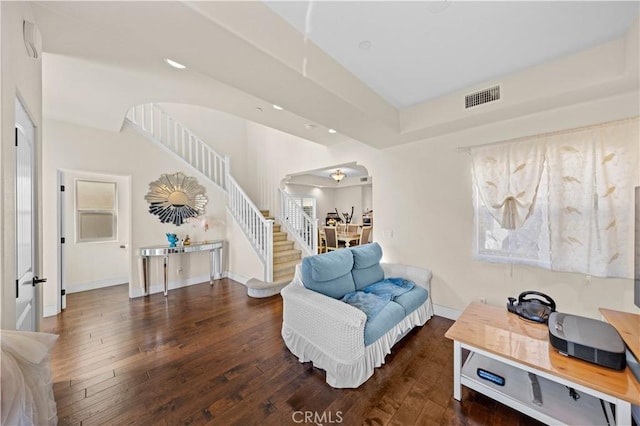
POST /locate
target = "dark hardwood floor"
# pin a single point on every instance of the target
(212, 355)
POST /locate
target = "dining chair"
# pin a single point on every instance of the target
(365, 234)
(341, 228)
(322, 241)
(353, 228)
(331, 238)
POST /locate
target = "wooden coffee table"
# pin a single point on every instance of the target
(504, 344)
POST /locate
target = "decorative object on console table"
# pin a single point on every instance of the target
(174, 198)
(172, 238)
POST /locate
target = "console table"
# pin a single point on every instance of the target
(214, 248)
(504, 344)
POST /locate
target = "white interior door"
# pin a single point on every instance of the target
(27, 298)
(95, 223)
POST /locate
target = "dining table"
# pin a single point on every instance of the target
(347, 237)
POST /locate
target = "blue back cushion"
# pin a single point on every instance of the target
(366, 265)
(329, 273)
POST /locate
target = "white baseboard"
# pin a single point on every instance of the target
(239, 278)
(96, 284)
(158, 287)
(445, 312)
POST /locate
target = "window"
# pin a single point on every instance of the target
(96, 214)
(560, 201)
(308, 205)
(527, 245)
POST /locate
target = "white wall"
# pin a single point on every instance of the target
(367, 198)
(128, 153)
(422, 195)
(348, 197)
(19, 76)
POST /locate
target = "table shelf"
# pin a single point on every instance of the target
(557, 406)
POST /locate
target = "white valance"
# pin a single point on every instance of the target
(507, 179)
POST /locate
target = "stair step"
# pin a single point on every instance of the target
(282, 245)
(284, 268)
(259, 289)
(283, 279)
(279, 236)
(277, 228)
(264, 213)
(286, 256)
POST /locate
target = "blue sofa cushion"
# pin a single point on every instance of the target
(394, 287)
(384, 321)
(369, 303)
(366, 265)
(329, 273)
(412, 299)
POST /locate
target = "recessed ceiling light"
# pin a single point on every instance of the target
(278, 107)
(365, 45)
(174, 64)
(331, 131)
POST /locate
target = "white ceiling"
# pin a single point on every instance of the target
(415, 51)
(102, 57)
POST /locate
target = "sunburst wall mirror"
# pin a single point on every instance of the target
(174, 198)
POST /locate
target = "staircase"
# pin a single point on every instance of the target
(285, 259)
(267, 240)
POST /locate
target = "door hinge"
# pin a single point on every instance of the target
(62, 188)
(17, 287)
(62, 240)
(16, 136)
(63, 292)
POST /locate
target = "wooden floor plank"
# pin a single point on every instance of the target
(212, 355)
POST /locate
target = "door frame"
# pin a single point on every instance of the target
(35, 212)
(67, 234)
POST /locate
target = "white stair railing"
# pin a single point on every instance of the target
(299, 224)
(257, 228)
(160, 127)
(155, 123)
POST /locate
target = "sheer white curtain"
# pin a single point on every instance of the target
(586, 196)
(507, 179)
(592, 174)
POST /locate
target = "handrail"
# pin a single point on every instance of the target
(173, 135)
(163, 129)
(303, 227)
(257, 228)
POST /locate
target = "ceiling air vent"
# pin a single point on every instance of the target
(364, 179)
(482, 97)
